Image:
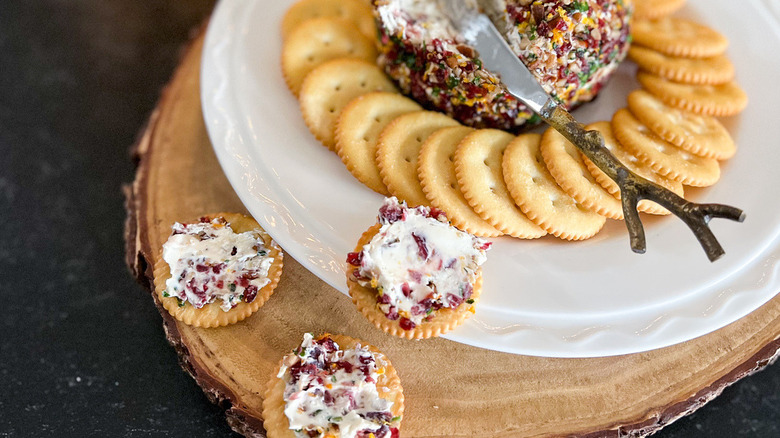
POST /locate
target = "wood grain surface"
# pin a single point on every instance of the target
(452, 390)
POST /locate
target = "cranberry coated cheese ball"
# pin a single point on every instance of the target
(571, 47)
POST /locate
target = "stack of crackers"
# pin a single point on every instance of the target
(490, 182)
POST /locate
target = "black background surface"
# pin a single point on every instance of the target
(82, 351)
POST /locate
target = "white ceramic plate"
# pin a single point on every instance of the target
(545, 297)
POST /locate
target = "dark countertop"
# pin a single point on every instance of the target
(82, 351)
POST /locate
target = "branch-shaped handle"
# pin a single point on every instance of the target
(634, 188)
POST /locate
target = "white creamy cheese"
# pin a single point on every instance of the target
(209, 262)
(326, 394)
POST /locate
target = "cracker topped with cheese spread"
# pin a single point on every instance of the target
(413, 274)
(217, 270)
(334, 386)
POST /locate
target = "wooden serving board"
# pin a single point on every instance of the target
(451, 389)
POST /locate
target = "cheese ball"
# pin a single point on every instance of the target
(570, 47)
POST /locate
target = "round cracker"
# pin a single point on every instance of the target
(663, 157)
(534, 189)
(443, 321)
(319, 40)
(652, 9)
(436, 170)
(565, 164)
(634, 164)
(357, 132)
(481, 179)
(388, 385)
(698, 134)
(398, 149)
(679, 37)
(357, 12)
(212, 315)
(713, 100)
(330, 87)
(715, 70)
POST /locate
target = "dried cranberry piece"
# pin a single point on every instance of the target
(201, 268)
(346, 366)
(316, 354)
(234, 251)
(435, 213)
(395, 433)
(406, 324)
(356, 275)
(309, 368)
(328, 398)
(218, 268)
(355, 258)
(327, 344)
(392, 314)
(485, 246)
(250, 293)
(468, 289)
(406, 289)
(422, 248)
(455, 300)
(383, 299)
(391, 213)
(199, 293)
(383, 431)
(378, 416)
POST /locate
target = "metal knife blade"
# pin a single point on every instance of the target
(495, 54)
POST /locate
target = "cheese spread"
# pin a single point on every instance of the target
(209, 262)
(332, 392)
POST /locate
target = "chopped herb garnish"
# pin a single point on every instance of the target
(470, 301)
(394, 419)
(232, 287)
(181, 302)
(263, 253)
(166, 294)
(578, 6)
(452, 82)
